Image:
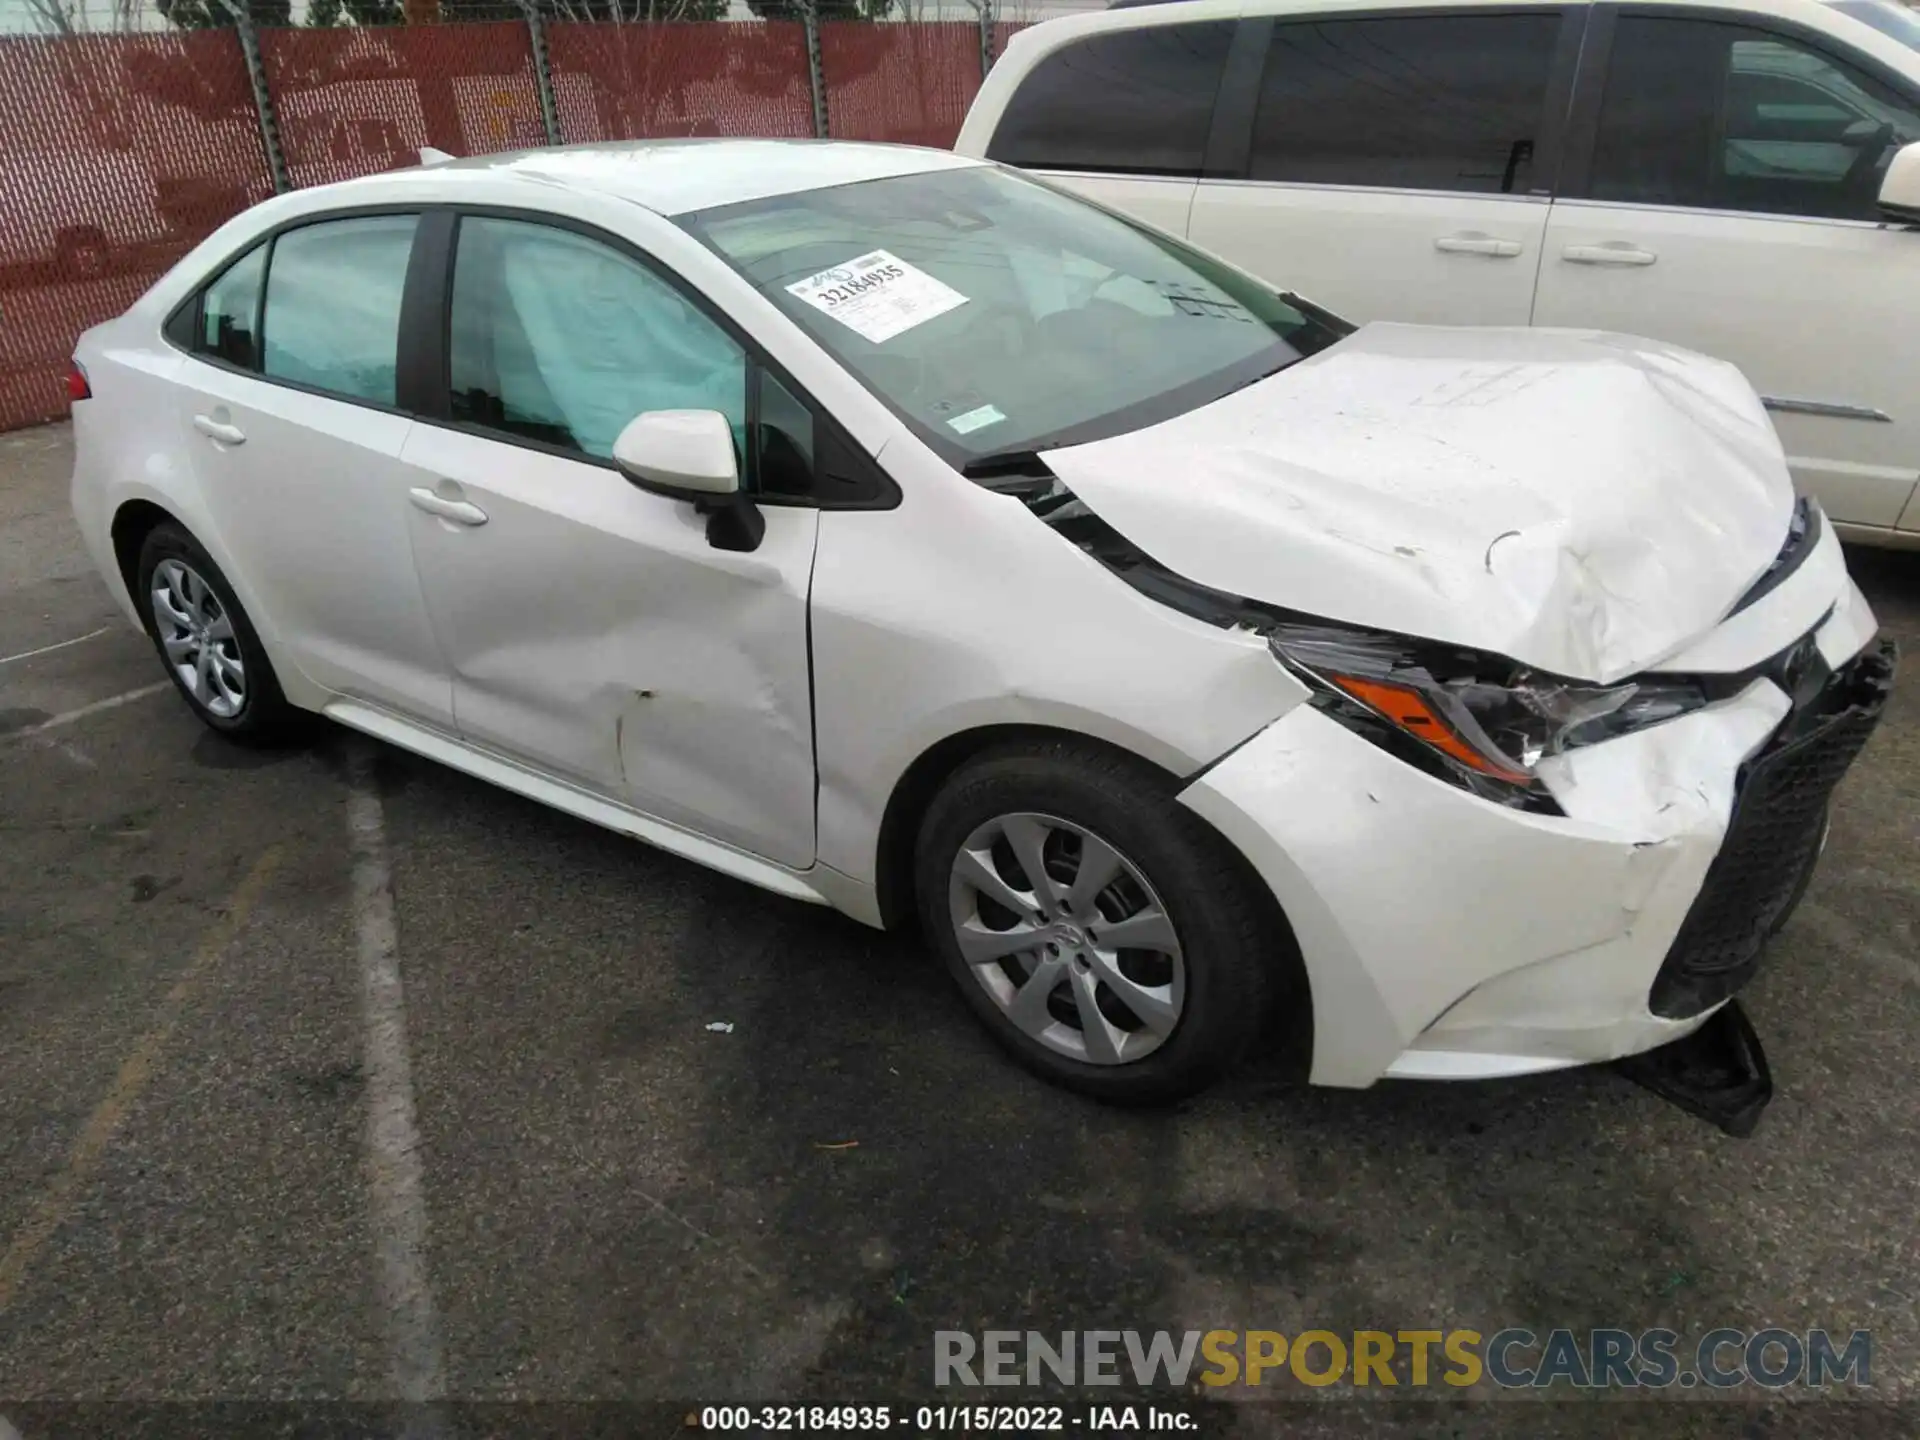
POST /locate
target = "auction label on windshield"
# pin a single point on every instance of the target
(877, 296)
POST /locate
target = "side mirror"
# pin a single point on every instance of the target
(688, 455)
(1900, 187)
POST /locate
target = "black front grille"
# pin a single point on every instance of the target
(1779, 813)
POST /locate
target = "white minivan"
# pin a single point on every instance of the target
(1741, 177)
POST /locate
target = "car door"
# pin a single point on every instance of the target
(289, 411)
(1722, 198)
(594, 632)
(1395, 167)
(1121, 117)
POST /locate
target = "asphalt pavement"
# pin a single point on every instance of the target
(238, 1164)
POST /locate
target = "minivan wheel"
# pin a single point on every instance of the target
(1102, 932)
(208, 646)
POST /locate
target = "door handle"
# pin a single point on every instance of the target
(219, 430)
(1612, 253)
(460, 512)
(1471, 244)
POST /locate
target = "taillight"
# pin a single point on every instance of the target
(77, 386)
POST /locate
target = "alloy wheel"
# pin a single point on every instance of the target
(1069, 938)
(197, 635)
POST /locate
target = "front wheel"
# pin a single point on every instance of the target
(1103, 933)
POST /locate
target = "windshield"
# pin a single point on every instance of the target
(995, 314)
(1886, 17)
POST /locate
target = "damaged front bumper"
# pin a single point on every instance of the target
(1445, 937)
(1773, 838)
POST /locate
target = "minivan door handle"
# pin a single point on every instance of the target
(461, 512)
(219, 430)
(1474, 243)
(1614, 252)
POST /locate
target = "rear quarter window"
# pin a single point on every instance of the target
(1130, 102)
(225, 322)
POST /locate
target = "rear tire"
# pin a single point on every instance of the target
(207, 644)
(1045, 966)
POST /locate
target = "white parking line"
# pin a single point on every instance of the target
(394, 1172)
(112, 702)
(49, 649)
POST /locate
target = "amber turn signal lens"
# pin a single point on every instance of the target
(1408, 709)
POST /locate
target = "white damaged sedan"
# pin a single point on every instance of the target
(894, 532)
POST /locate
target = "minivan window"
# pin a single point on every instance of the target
(1450, 102)
(1132, 102)
(333, 305)
(1726, 117)
(993, 313)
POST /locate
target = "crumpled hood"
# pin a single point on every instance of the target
(1582, 502)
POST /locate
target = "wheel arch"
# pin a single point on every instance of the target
(913, 792)
(133, 521)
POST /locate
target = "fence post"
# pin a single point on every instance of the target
(542, 76)
(262, 97)
(985, 8)
(816, 68)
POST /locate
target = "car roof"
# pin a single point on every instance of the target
(673, 177)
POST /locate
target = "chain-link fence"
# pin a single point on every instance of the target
(121, 151)
(631, 82)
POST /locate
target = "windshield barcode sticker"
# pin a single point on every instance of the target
(877, 296)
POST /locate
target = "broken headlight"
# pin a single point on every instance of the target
(1478, 720)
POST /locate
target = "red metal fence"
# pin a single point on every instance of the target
(120, 152)
(905, 83)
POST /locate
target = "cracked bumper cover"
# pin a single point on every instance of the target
(1445, 937)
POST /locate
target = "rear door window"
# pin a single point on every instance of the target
(1430, 102)
(332, 319)
(1131, 102)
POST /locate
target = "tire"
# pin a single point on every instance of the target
(236, 692)
(1213, 992)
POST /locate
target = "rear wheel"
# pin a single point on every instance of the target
(1102, 932)
(208, 646)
